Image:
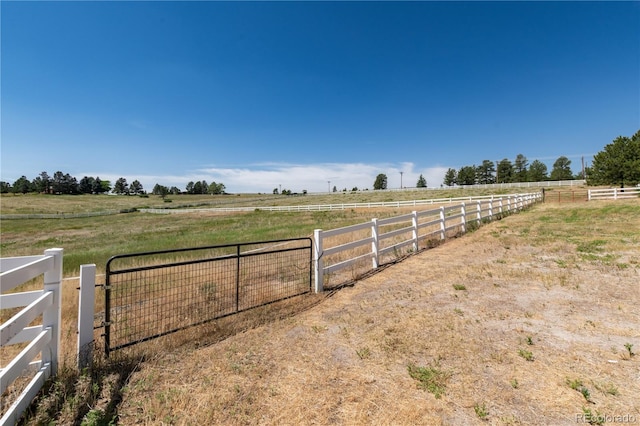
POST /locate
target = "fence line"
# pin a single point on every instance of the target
(44, 339)
(330, 207)
(613, 193)
(406, 231)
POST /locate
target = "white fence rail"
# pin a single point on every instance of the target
(613, 193)
(373, 240)
(330, 207)
(39, 359)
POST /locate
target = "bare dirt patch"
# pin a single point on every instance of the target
(528, 318)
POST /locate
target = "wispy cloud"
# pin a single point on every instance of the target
(265, 177)
(319, 177)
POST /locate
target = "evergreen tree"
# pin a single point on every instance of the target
(561, 169)
(380, 182)
(485, 173)
(450, 177)
(618, 163)
(537, 171)
(520, 169)
(504, 172)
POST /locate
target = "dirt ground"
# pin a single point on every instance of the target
(524, 324)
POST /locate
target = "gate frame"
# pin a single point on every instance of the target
(238, 255)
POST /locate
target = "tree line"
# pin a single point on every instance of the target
(63, 183)
(506, 171)
(617, 164)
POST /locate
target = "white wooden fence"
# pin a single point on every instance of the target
(39, 359)
(391, 235)
(331, 207)
(613, 193)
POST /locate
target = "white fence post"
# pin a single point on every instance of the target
(414, 224)
(318, 263)
(374, 242)
(491, 209)
(86, 308)
(479, 212)
(443, 226)
(51, 317)
(463, 213)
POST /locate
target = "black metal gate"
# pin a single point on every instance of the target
(152, 294)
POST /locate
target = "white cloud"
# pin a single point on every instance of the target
(296, 177)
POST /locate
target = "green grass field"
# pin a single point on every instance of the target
(95, 239)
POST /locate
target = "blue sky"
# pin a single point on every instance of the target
(259, 95)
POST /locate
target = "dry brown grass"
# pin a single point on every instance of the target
(531, 284)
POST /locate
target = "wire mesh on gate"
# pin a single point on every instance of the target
(148, 295)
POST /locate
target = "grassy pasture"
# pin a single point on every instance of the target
(95, 239)
(529, 320)
(371, 334)
(38, 203)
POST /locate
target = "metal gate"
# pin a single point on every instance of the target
(152, 294)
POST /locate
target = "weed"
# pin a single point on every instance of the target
(591, 246)
(592, 419)
(481, 411)
(528, 355)
(431, 379)
(458, 311)
(459, 287)
(529, 340)
(364, 353)
(514, 383)
(561, 263)
(577, 385)
(97, 418)
(607, 389)
(629, 348)
(574, 384)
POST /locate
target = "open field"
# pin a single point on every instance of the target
(58, 204)
(526, 321)
(95, 239)
(529, 320)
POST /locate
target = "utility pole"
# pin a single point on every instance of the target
(329, 186)
(401, 179)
